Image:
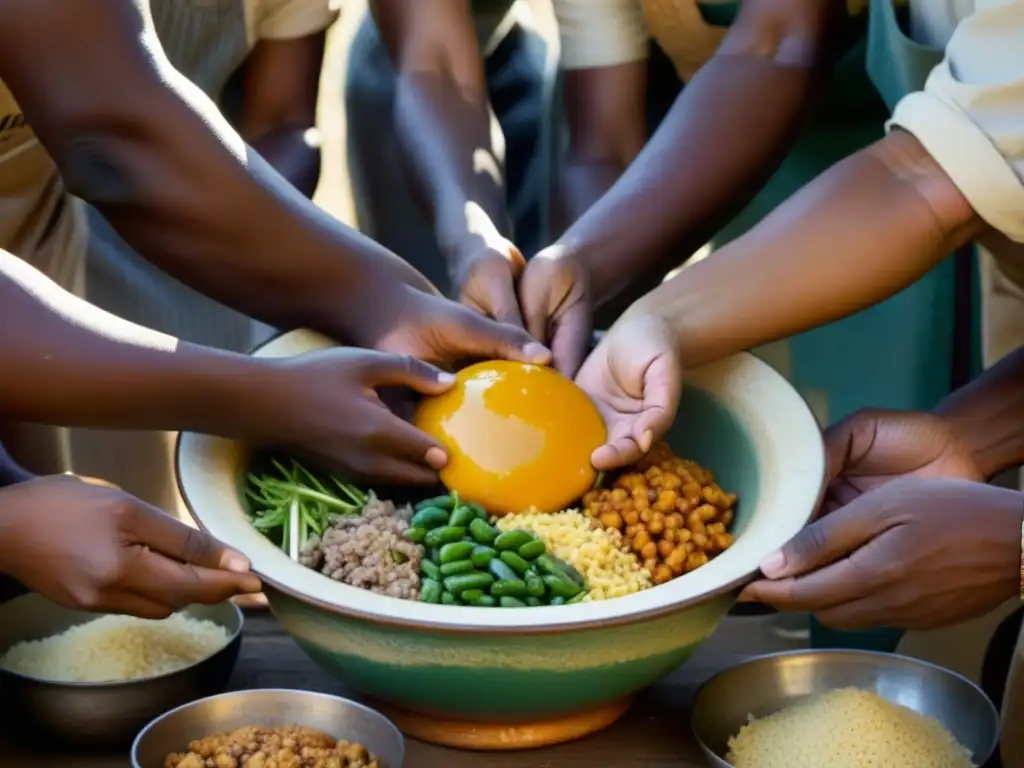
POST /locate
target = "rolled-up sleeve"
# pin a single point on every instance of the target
(290, 19)
(600, 33)
(970, 115)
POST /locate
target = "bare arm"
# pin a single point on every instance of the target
(452, 145)
(988, 415)
(137, 140)
(70, 363)
(868, 227)
(706, 160)
(282, 79)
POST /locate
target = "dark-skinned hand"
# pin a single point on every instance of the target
(554, 293)
(915, 553)
(326, 406)
(485, 277)
(90, 546)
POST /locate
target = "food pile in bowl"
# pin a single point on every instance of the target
(658, 520)
(290, 746)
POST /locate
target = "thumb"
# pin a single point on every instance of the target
(485, 338)
(172, 538)
(662, 388)
(387, 370)
(827, 540)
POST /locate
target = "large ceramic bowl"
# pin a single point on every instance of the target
(537, 674)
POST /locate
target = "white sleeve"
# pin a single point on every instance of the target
(970, 115)
(290, 19)
(600, 33)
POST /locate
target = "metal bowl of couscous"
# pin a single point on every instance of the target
(95, 680)
(530, 676)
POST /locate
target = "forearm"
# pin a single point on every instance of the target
(862, 231)
(293, 152)
(701, 166)
(452, 149)
(67, 362)
(988, 415)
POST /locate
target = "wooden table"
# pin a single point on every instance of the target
(654, 733)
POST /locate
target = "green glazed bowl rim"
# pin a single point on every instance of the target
(787, 442)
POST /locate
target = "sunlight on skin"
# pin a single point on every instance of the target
(486, 164)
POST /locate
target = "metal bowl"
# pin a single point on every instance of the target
(766, 684)
(101, 714)
(340, 718)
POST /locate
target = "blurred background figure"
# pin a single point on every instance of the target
(449, 135)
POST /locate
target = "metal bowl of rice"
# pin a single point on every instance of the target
(95, 680)
(836, 693)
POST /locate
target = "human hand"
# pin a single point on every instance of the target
(915, 553)
(555, 296)
(485, 277)
(447, 334)
(635, 378)
(873, 447)
(93, 547)
(326, 406)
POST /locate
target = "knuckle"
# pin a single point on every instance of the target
(197, 545)
(810, 543)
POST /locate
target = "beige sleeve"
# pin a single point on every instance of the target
(600, 33)
(290, 19)
(970, 115)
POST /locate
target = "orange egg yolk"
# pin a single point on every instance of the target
(518, 436)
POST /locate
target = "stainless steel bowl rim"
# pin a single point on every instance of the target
(139, 681)
(315, 694)
(835, 652)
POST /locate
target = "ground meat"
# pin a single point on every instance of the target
(254, 746)
(369, 551)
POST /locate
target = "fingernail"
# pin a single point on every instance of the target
(436, 458)
(536, 352)
(645, 441)
(236, 563)
(446, 378)
(774, 563)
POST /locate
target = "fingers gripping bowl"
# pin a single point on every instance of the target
(570, 665)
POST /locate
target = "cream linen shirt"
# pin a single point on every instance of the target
(39, 220)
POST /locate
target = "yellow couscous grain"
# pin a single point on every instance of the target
(846, 728)
(599, 553)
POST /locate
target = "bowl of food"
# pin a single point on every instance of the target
(497, 631)
(90, 679)
(838, 708)
(249, 727)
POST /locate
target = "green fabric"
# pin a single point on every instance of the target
(896, 64)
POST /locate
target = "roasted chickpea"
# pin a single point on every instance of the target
(611, 520)
(665, 548)
(656, 524)
(662, 574)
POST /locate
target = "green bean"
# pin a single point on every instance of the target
(456, 566)
(462, 516)
(415, 535)
(556, 567)
(555, 601)
(578, 598)
(429, 569)
(444, 535)
(470, 596)
(515, 562)
(532, 550)
(463, 581)
(429, 517)
(534, 602)
(480, 511)
(513, 539)
(435, 554)
(441, 502)
(509, 588)
(562, 586)
(483, 531)
(507, 601)
(485, 601)
(482, 556)
(430, 591)
(501, 571)
(447, 598)
(535, 585)
(456, 550)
